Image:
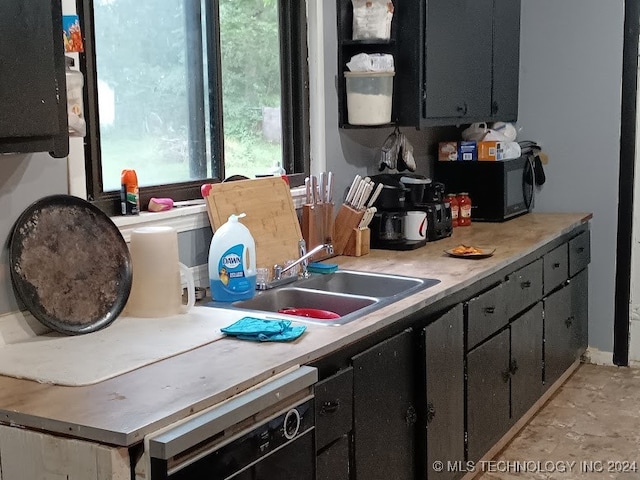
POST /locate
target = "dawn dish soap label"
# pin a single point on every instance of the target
(231, 283)
(231, 267)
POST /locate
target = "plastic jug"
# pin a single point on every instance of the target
(232, 262)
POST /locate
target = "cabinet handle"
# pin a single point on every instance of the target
(329, 407)
(489, 309)
(431, 412)
(411, 416)
(580, 249)
(569, 321)
(556, 265)
(506, 375)
(513, 367)
(494, 107)
(525, 284)
(462, 108)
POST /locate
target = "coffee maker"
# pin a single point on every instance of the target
(402, 193)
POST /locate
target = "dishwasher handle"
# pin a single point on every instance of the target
(204, 425)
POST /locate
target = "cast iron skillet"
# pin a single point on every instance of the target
(69, 264)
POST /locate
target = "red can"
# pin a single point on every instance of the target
(455, 208)
(464, 203)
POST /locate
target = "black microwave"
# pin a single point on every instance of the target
(499, 190)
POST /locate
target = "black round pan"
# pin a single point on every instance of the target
(69, 264)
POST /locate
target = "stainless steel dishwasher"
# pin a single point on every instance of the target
(266, 433)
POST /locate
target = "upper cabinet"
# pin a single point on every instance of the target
(32, 78)
(456, 61)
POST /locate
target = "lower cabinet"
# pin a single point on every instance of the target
(332, 463)
(487, 394)
(384, 414)
(526, 361)
(448, 388)
(444, 380)
(566, 326)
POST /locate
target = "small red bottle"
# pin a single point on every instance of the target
(464, 202)
(455, 208)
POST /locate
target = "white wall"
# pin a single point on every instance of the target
(634, 300)
(570, 94)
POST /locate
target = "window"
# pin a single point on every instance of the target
(193, 91)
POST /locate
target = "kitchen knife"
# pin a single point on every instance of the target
(323, 187)
(330, 187)
(352, 190)
(359, 190)
(368, 188)
(314, 189)
(307, 186)
(375, 195)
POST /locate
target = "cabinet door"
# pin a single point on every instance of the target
(506, 60)
(526, 361)
(458, 58)
(444, 357)
(334, 405)
(32, 81)
(383, 411)
(333, 462)
(559, 328)
(580, 311)
(487, 395)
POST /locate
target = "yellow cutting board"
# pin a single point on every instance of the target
(271, 216)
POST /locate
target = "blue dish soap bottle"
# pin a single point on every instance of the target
(232, 262)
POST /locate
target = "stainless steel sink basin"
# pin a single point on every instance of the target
(350, 294)
(364, 283)
(274, 300)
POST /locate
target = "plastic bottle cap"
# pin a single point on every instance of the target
(233, 217)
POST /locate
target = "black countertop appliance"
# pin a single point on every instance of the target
(499, 190)
(400, 194)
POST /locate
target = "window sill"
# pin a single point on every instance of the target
(183, 219)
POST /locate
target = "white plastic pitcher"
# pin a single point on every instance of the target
(156, 290)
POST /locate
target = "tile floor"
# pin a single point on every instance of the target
(590, 429)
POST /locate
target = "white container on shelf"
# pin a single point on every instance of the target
(369, 97)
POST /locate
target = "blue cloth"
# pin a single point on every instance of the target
(259, 330)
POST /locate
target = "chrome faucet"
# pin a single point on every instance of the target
(303, 261)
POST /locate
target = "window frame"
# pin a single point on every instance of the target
(294, 104)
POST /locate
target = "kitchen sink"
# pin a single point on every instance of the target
(351, 294)
(364, 283)
(282, 298)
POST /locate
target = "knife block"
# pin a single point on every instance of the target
(347, 220)
(317, 226)
(359, 242)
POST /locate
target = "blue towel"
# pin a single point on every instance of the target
(259, 330)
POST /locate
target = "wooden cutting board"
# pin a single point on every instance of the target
(271, 216)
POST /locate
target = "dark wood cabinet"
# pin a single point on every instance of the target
(458, 58)
(488, 402)
(444, 402)
(32, 78)
(333, 462)
(384, 414)
(566, 325)
(451, 381)
(456, 61)
(526, 361)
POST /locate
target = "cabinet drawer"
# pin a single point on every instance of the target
(486, 314)
(556, 267)
(524, 288)
(579, 253)
(334, 404)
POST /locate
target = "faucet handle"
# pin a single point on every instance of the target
(277, 272)
(302, 248)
